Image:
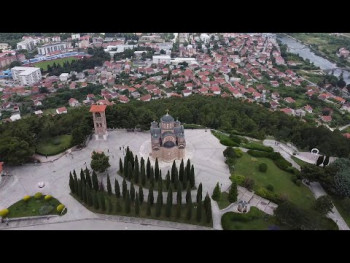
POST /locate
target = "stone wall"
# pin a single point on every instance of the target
(168, 154)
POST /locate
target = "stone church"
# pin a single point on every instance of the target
(167, 139)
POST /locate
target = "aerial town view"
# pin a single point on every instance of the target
(174, 131)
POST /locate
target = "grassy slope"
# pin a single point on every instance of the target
(280, 180)
(48, 147)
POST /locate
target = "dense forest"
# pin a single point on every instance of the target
(226, 114)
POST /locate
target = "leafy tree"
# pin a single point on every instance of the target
(120, 166)
(99, 162)
(124, 188)
(229, 152)
(141, 197)
(192, 177)
(169, 202)
(324, 204)
(150, 195)
(14, 150)
(109, 186)
(319, 160)
(137, 205)
(233, 193)
(216, 193)
(199, 211)
(156, 170)
(292, 216)
(116, 188)
(199, 193)
(132, 192)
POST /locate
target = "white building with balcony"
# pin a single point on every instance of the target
(26, 75)
(50, 48)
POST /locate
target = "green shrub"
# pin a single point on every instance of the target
(26, 198)
(229, 152)
(4, 212)
(228, 142)
(238, 178)
(45, 209)
(248, 183)
(238, 152)
(282, 164)
(256, 146)
(38, 195)
(265, 193)
(60, 208)
(56, 141)
(48, 197)
(270, 187)
(235, 138)
(298, 182)
(263, 167)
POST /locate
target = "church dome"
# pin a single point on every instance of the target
(167, 118)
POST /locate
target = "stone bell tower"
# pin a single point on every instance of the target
(100, 123)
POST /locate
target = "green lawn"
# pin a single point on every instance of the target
(223, 202)
(342, 209)
(143, 211)
(60, 61)
(253, 220)
(49, 112)
(280, 180)
(300, 162)
(55, 145)
(32, 207)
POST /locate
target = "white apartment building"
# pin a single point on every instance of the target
(64, 77)
(4, 46)
(49, 48)
(27, 44)
(161, 59)
(75, 36)
(26, 75)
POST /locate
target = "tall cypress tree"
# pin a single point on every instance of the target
(82, 176)
(75, 175)
(127, 203)
(160, 178)
(76, 186)
(199, 211)
(109, 186)
(94, 181)
(216, 193)
(132, 160)
(199, 193)
(159, 205)
(156, 170)
(169, 202)
(319, 160)
(130, 171)
(149, 211)
(188, 194)
(95, 201)
(181, 171)
(132, 192)
(167, 180)
(83, 193)
(89, 196)
(101, 187)
(192, 178)
(141, 197)
(187, 171)
(136, 171)
(150, 195)
(121, 170)
(71, 182)
(179, 194)
(116, 188)
(151, 178)
(118, 207)
(88, 177)
(110, 206)
(233, 193)
(326, 161)
(148, 168)
(137, 204)
(208, 212)
(143, 172)
(178, 210)
(173, 168)
(125, 174)
(124, 188)
(80, 190)
(103, 202)
(189, 210)
(176, 178)
(160, 191)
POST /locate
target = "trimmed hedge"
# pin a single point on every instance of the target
(258, 147)
(238, 178)
(38, 195)
(263, 167)
(60, 208)
(228, 142)
(277, 158)
(26, 198)
(4, 212)
(263, 192)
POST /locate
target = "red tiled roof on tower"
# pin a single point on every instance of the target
(98, 108)
(1, 163)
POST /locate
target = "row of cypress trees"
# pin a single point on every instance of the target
(93, 194)
(145, 174)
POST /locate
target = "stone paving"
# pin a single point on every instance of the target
(205, 149)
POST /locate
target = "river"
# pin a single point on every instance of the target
(305, 52)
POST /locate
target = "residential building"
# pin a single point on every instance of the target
(161, 59)
(64, 77)
(6, 60)
(73, 102)
(4, 46)
(326, 118)
(53, 47)
(61, 110)
(26, 75)
(27, 44)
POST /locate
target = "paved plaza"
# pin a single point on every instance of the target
(205, 153)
